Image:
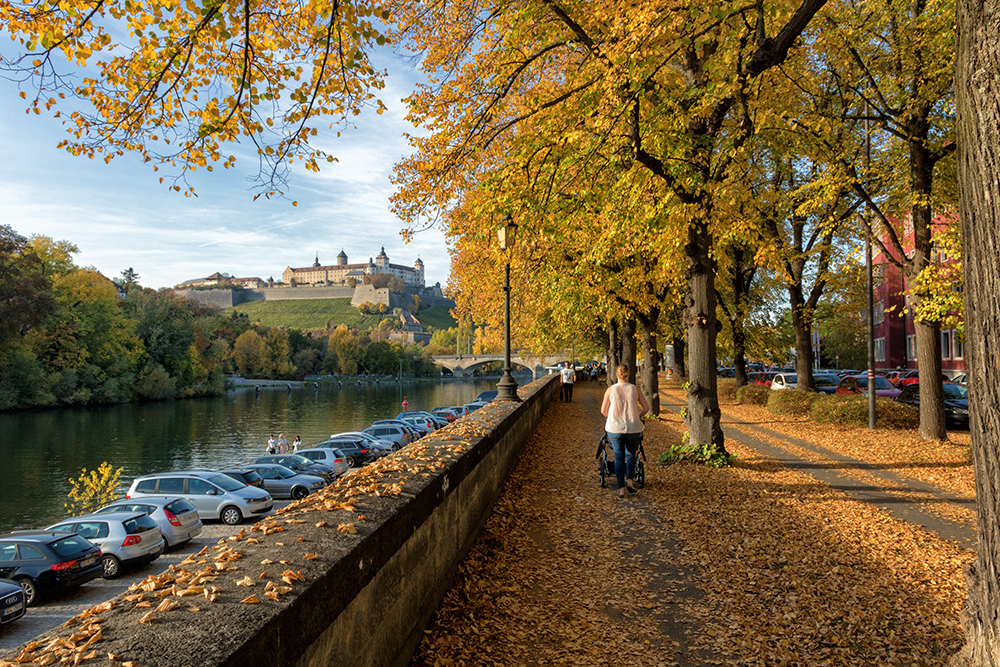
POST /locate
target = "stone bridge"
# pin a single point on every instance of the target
(464, 365)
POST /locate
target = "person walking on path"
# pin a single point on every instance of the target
(406, 404)
(568, 377)
(270, 445)
(282, 444)
(296, 444)
(624, 406)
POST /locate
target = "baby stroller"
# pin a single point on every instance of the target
(606, 462)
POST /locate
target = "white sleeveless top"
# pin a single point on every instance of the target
(623, 409)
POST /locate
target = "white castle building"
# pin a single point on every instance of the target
(343, 273)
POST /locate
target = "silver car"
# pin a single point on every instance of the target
(281, 482)
(125, 538)
(334, 458)
(214, 495)
(177, 518)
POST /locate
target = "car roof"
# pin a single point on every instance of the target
(149, 500)
(34, 535)
(174, 473)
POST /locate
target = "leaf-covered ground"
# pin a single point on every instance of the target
(753, 565)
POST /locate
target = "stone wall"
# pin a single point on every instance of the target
(227, 298)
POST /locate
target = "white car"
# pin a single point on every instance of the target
(785, 381)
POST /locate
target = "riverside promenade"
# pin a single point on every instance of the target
(822, 545)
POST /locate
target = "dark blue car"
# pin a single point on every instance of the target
(48, 561)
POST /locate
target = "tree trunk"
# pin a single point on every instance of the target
(977, 81)
(932, 421)
(703, 414)
(651, 365)
(613, 346)
(802, 327)
(628, 347)
(680, 366)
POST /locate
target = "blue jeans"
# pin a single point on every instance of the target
(625, 446)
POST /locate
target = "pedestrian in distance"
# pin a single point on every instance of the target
(568, 378)
(296, 444)
(624, 406)
(270, 445)
(281, 444)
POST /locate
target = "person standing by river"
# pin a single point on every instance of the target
(270, 445)
(282, 444)
(296, 444)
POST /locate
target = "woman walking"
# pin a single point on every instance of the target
(624, 406)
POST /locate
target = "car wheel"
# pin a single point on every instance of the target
(299, 492)
(112, 566)
(350, 461)
(395, 447)
(30, 590)
(231, 516)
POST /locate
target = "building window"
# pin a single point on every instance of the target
(879, 313)
(911, 347)
(946, 344)
(880, 349)
(957, 347)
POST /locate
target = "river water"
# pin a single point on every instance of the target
(42, 450)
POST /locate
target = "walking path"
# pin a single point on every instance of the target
(796, 555)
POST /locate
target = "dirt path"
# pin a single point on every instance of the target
(758, 564)
(566, 572)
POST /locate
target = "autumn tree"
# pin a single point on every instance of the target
(175, 82)
(977, 78)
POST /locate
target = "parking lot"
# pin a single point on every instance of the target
(54, 611)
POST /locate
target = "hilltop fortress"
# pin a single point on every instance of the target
(337, 281)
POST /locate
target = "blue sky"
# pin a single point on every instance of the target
(120, 216)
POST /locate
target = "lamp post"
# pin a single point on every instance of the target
(507, 387)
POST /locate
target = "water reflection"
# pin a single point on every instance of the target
(43, 449)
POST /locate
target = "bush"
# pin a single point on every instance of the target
(753, 394)
(93, 490)
(791, 402)
(727, 390)
(704, 454)
(852, 410)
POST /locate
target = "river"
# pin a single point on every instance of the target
(43, 449)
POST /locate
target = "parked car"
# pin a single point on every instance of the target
(908, 378)
(956, 402)
(894, 376)
(12, 601)
(485, 396)
(447, 414)
(357, 448)
(472, 406)
(177, 518)
(282, 482)
(858, 384)
(248, 476)
(47, 561)
(214, 495)
(334, 458)
(961, 378)
(300, 464)
(400, 436)
(415, 433)
(826, 383)
(424, 425)
(785, 381)
(764, 378)
(126, 539)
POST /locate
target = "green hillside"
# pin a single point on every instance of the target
(316, 313)
(438, 317)
(307, 313)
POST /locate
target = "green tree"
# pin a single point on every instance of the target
(25, 292)
(380, 358)
(250, 354)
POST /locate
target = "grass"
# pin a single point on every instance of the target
(438, 317)
(308, 314)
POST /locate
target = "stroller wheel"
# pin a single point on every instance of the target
(600, 472)
(640, 474)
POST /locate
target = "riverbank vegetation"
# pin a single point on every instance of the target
(71, 336)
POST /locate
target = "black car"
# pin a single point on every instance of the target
(486, 396)
(12, 605)
(46, 561)
(248, 476)
(956, 402)
(357, 450)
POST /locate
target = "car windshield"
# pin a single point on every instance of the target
(70, 545)
(225, 482)
(283, 472)
(880, 383)
(826, 380)
(955, 391)
(299, 459)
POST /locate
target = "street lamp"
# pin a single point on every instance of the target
(507, 387)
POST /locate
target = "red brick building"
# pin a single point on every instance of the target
(895, 338)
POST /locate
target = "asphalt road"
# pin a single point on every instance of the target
(52, 612)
